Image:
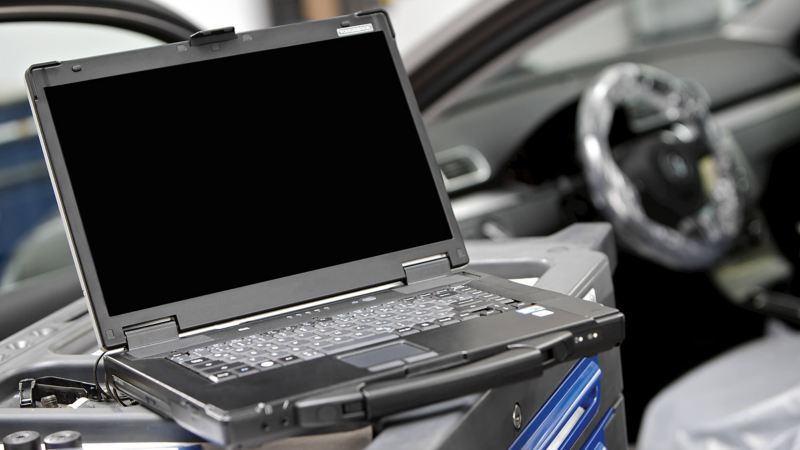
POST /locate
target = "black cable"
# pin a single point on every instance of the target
(113, 389)
(113, 393)
(110, 392)
(100, 391)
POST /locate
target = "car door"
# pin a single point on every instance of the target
(36, 267)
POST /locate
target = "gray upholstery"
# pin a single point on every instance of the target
(44, 250)
(747, 398)
(40, 278)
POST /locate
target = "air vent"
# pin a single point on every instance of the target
(463, 167)
(457, 168)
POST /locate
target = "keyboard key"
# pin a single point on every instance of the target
(194, 361)
(290, 359)
(340, 339)
(445, 321)
(254, 360)
(406, 331)
(180, 357)
(361, 334)
(424, 326)
(221, 376)
(503, 308)
(310, 354)
(223, 368)
(467, 303)
(208, 365)
(245, 370)
(267, 365)
(473, 308)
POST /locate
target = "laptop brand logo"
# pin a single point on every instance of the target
(357, 29)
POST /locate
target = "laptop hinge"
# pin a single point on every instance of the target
(152, 333)
(427, 268)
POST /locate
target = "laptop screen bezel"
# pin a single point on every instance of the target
(248, 300)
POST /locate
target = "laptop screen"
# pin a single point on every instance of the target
(203, 177)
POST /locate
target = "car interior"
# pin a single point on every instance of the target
(675, 122)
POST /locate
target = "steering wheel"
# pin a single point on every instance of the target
(678, 195)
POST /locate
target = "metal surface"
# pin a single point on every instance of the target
(516, 417)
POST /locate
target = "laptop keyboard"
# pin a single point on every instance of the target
(367, 325)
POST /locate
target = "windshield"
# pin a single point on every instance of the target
(618, 27)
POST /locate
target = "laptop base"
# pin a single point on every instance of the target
(467, 357)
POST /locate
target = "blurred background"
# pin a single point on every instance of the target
(25, 194)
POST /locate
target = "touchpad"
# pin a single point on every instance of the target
(387, 356)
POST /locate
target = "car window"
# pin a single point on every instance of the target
(27, 202)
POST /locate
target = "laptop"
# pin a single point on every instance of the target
(265, 240)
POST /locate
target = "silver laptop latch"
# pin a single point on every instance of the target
(152, 333)
(427, 268)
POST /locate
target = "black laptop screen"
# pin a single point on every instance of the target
(204, 177)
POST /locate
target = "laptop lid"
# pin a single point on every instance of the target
(213, 179)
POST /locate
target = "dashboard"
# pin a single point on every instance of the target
(520, 130)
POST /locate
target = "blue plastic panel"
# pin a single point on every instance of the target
(597, 441)
(568, 412)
